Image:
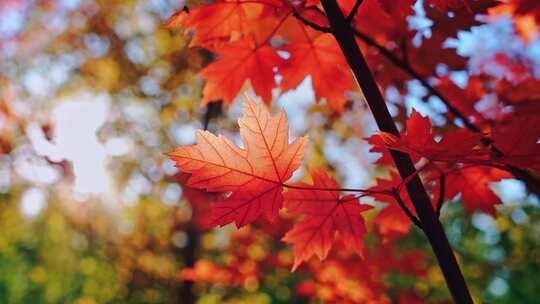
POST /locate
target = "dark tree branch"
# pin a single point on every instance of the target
(354, 11)
(408, 212)
(186, 295)
(213, 109)
(531, 182)
(442, 186)
(313, 25)
(433, 229)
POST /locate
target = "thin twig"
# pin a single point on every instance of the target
(442, 180)
(408, 212)
(354, 11)
(313, 25)
(403, 65)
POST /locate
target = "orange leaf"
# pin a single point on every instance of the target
(240, 61)
(177, 19)
(323, 60)
(326, 213)
(221, 21)
(254, 176)
(206, 271)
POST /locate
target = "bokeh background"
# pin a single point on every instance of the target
(93, 92)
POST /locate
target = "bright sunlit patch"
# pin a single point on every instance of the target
(118, 146)
(33, 202)
(76, 121)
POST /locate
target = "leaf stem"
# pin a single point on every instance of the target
(365, 191)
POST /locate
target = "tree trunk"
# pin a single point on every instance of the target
(432, 227)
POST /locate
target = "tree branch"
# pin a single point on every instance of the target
(432, 226)
(354, 11)
(407, 68)
(442, 181)
(213, 109)
(186, 294)
(404, 52)
(313, 25)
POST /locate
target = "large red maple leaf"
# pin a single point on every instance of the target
(254, 176)
(418, 140)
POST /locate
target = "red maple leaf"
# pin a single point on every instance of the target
(217, 22)
(326, 213)
(473, 184)
(253, 176)
(239, 62)
(321, 59)
(418, 140)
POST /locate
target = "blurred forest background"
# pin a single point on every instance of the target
(93, 92)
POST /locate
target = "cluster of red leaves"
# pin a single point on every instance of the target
(469, 166)
(265, 43)
(241, 265)
(248, 37)
(345, 278)
(255, 178)
(257, 40)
